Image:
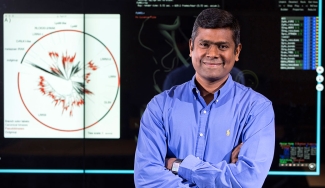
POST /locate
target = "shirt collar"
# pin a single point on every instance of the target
(221, 92)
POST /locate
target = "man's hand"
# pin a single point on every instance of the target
(235, 152)
(169, 163)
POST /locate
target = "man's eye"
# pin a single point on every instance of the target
(204, 45)
(223, 46)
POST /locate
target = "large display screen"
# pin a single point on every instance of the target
(281, 59)
(77, 76)
(61, 76)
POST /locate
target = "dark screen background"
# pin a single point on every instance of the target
(147, 58)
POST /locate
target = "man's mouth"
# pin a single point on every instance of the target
(213, 64)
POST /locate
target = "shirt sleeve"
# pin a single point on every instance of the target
(149, 164)
(254, 159)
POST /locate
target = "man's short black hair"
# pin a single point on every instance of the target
(214, 18)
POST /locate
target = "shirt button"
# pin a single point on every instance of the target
(204, 111)
(198, 157)
(216, 100)
(201, 134)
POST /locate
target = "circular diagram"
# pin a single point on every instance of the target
(68, 80)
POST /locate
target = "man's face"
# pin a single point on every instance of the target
(213, 54)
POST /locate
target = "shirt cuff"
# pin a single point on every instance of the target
(186, 168)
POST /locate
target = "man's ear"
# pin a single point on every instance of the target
(190, 43)
(238, 49)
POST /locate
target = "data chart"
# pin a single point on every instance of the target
(61, 77)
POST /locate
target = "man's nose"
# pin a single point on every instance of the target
(213, 51)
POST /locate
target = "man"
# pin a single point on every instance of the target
(210, 131)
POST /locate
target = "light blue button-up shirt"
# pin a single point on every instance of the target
(178, 123)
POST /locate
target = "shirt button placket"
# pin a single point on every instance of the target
(201, 141)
